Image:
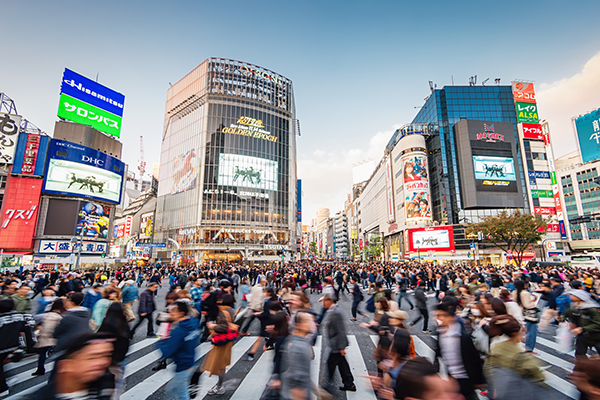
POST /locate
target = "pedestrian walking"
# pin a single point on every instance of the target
(129, 295)
(338, 341)
(146, 308)
(180, 346)
(75, 321)
(45, 338)
(421, 298)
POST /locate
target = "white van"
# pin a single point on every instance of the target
(585, 261)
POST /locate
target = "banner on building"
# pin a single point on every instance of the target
(9, 133)
(417, 201)
(20, 213)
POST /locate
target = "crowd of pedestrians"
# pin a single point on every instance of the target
(485, 319)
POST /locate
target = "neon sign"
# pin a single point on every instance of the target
(246, 71)
(250, 127)
(489, 135)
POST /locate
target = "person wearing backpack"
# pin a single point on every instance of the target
(585, 321)
(357, 297)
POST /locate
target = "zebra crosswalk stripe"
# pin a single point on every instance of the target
(315, 364)
(255, 382)
(364, 391)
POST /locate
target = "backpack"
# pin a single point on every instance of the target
(563, 302)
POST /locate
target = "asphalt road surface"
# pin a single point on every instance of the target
(247, 379)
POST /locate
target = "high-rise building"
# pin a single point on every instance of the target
(228, 177)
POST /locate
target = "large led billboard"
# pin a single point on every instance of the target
(494, 168)
(93, 220)
(86, 102)
(588, 133)
(439, 238)
(184, 173)
(246, 171)
(80, 171)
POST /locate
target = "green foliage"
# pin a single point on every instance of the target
(515, 231)
(375, 248)
(313, 247)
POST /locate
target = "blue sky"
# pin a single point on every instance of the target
(359, 68)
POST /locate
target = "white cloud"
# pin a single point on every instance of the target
(327, 176)
(569, 97)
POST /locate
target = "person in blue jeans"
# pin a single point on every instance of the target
(528, 303)
(180, 346)
(363, 277)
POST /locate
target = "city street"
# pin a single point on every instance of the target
(247, 379)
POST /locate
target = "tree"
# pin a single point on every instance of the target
(512, 233)
(374, 248)
(313, 247)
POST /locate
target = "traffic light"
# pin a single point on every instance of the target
(103, 255)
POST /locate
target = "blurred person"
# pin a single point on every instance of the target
(403, 284)
(509, 354)
(357, 297)
(146, 309)
(456, 347)
(297, 355)
(256, 304)
(421, 298)
(586, 377)
(219, 357)
(12, 324)
(110, 295)
(75, 321)
(335, 333)
(114, 323)
(44, 303)
(45, 339)
(180, 345)
(21, 299)
(512, 308)
(585, 321)
(419, 380)
(92, 296)
(81, 372)
(129, 295)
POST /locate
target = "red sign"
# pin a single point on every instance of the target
(523, 92)
(544, 210)
(437, 238)
(19, 213)
(550, 228)
(533, 131)
(120, 231)
(127, 232)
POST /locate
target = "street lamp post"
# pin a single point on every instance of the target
(74, 240)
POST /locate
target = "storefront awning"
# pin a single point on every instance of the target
(17, 253)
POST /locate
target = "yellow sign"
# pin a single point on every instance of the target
(250, 127)
(149, 227)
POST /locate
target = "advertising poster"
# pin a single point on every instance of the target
(495, 174)
(588, 133)
(439, 238)
(77, 170)
(417, 201)
(523, 92)
(93, 220)
(9, 134)
(245, 171)
(184, 173)
(527, 112)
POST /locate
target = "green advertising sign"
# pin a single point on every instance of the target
(86, 114)
(553, 178)
(542, 193)
(527, 112)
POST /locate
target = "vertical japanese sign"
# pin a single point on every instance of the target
(588, 133)
(299, 200)
(389, 190)
(31, 151)
(127, 231)
(555, 188)
(9, 134)
(20, 212)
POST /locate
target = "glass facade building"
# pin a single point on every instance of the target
(582, 201)
(227, 186)
(444, 108)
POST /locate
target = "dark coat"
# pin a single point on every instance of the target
(147, 305)
(336, 330)
(421, 298)
(74, 323)
(470, 357)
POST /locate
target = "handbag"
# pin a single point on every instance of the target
(531, 315)
(481, 340)
(231, 335)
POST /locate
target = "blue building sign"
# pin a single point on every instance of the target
(299, 200)
(588, 133)
(539, 174)
(88, 91)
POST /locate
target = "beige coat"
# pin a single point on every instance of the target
(49, 324)
(257, 298)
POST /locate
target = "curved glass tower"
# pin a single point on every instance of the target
(227, 186)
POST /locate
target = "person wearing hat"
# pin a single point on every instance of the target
(508, 354)
(585, 321)
(128, 296)
(456, 347)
